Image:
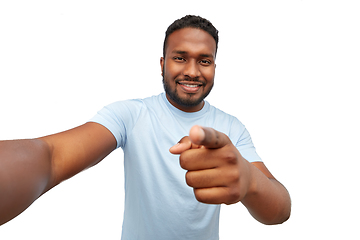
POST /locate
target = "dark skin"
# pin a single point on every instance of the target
(219, 174)
(29, 168)
(216, 170)
(190, 60)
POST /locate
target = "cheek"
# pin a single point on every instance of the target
(209, 74)
(172, 70)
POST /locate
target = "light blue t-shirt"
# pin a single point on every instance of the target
(158, 202)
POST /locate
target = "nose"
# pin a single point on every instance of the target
(191, 69)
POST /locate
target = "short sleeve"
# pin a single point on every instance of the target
(242, 141)
(119, 118)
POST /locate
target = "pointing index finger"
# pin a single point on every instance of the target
(208, 137)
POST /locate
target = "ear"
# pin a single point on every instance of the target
(162, 62)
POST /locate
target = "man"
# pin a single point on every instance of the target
(182, 157)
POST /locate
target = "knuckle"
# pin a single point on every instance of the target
(233, 175)
(183, 161)
(200, 196)
(184, 139)
(234, 195)
(230, 157)
(189, 177)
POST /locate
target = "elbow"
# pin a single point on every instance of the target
(276, 219)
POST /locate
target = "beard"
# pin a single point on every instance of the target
(191, 101)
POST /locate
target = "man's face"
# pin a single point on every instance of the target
(188, 69)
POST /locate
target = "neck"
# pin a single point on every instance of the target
(185, 108)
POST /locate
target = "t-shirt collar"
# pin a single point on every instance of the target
(179, 112)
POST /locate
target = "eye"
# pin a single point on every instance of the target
(179, 59)
(205, 62)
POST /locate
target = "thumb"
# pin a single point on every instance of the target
(184, 144)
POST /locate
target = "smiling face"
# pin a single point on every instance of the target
(188, 69)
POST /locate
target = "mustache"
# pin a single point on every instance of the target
(194, 80)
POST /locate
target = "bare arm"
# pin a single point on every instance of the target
(25, 172)
(267, 200)
(29, 168)
(219, 174)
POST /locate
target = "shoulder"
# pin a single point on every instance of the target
(133, 104)
(125, 105)
(120, 117)
(225, 118)
(237, 133)
(227, 123)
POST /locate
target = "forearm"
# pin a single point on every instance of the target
(25, 174)
(268, 201)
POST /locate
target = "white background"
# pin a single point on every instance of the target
(289, 70)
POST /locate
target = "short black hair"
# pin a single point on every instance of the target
(192, 21)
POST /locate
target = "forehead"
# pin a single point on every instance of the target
(191, 40)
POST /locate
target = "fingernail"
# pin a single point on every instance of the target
(175, 145)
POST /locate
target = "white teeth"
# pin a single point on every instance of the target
(192, 86)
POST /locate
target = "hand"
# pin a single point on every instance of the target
(215, 168)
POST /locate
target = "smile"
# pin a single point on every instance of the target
(190, 87)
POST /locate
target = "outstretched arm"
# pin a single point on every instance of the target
(219, 174)
(29, 168)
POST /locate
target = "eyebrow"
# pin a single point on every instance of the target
(179, 52)
(201, 55)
